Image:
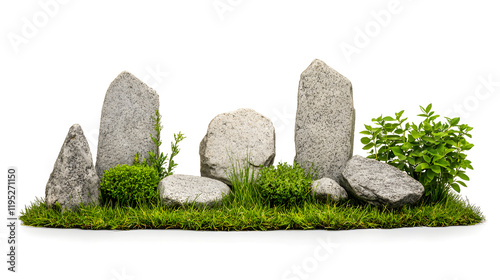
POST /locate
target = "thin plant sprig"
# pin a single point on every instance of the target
(175, 151)
(158, 159)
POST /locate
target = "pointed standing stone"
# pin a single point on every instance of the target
(126, 122)
(324, 127)
(73, 179)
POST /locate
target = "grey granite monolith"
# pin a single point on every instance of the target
(126, 122)
(232, 138)
(74, 179)
(327, 189)
(324, 126)
(180, 189)
(379, 183)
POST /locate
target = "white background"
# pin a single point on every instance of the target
(56, 73)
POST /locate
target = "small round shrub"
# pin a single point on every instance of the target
(129, 185)
(284, 184)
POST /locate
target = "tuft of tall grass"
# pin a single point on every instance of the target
(243, 177)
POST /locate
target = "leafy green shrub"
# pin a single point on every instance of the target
(129, 185)
(431, 152)
(158, 161)
(285, 184)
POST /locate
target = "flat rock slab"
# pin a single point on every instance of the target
(180, 189)
(327, 189)
(379, 183)
(126, 122)
(231, 138)
(74, 179)
(324, 126)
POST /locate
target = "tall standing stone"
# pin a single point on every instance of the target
(126, 122)
(324, 127)
(73, 179)
(231, 138)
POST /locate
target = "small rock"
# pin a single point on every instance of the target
(180, 189)
(324, 126)
(232, 137)
(328, 189)
(379, 183)
(126, 122)
(74, 179)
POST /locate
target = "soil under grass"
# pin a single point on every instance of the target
(349, 214)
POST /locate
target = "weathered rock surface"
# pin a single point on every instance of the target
(180, 189)
(324, 126)
(328, 190)
(379, 183)
(74, 179)
(126, 122)
(233, 136)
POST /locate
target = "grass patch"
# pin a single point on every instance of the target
(245, 209)
(344, 215)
